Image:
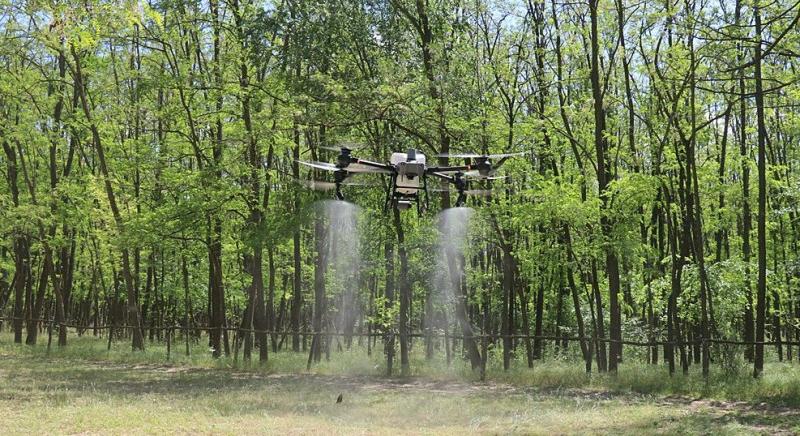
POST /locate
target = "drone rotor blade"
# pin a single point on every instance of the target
(352, 146)
(361, 168)
(475, 192)
(507, 155)
(361, 184)
(317, 185)
(476, 175)
(477, 155)
(479, 192)
(459, 155)
(446, 171)
(352, 168)
(320, 165)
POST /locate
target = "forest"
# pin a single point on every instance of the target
(152, 191)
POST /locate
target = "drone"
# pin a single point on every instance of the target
(409, 174)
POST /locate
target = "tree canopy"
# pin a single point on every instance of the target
(150, 173)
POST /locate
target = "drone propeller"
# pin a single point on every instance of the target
(318, 185)
(361, 168)
(475, 192)
(476, 175)
(481, 166)
(478, 156)
(320, 165)
(352, 146)
(351, 168)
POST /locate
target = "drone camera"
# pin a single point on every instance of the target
(403, 204)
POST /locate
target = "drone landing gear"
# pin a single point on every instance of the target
(402, 201)
(405, 201)
(460, 185)
(338, 179)
(461, 200)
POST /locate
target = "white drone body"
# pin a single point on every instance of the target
(410, 171)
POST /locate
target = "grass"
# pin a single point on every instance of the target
(85, 389)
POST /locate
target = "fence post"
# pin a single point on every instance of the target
(169, 344)
(447, 345)
(236, 346)
(49, 335)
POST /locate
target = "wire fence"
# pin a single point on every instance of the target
(589, 345)
(477, 336)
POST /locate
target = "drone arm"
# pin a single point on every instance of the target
(501, 161)
(436, 170)
(445, 177)
(375, 165)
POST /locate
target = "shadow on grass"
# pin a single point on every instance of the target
(780, 385)
(434, 404)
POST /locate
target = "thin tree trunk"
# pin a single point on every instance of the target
(388, 249)
(603, 179)
(405, 295)
(133, 306)
(761, 303)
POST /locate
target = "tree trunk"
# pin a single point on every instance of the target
(761, 303)
(603, 179)
(505, 316)
(405, 295)
(297, 297)
(749, 334)
(319, 291)
(388, 249)
(133, 306)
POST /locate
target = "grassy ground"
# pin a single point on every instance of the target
(85, 389)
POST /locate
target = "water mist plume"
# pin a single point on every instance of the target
(341, 263)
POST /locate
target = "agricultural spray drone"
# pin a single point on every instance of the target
(409, 174)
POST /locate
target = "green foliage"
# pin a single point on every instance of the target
(202, 109)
